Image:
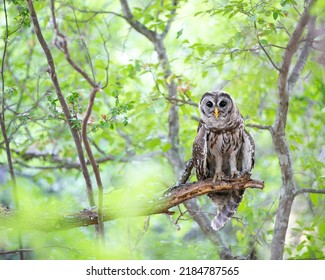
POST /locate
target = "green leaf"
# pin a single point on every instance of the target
(264, 42)
(300, 246)
(275, 15)
(166, 147)
(179, 33)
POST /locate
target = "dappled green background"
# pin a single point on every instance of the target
(210, 45)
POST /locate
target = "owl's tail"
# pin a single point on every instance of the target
(227, 203)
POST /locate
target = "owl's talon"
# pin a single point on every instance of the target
(245, 175)
(234, 174)
(218, 177)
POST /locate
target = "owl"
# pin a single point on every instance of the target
(222, 149)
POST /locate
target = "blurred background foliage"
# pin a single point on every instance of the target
(210, 45)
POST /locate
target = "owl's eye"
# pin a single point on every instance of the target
(223, 103)
(209, 104)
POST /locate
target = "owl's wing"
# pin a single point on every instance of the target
(247, 153)
(199, 152)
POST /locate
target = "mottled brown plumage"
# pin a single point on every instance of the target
(222, 149)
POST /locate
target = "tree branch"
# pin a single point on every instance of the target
(62, 44)
(95, 12)
(259, 126)
(61, 99)
(4, 129)
(280, 142)
(123, 207)
(93, 162)
(301, 191)
(304, 53)
(171, 19)
(264, 50)
(151, 35)
(291, 48)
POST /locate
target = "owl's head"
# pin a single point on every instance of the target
(218, 110)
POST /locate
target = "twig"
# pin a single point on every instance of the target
(259, 126)
(107, 55)
(264, 50)
(301, 191)
(16, 251)
(88, 57)
(181, 101)
(62, 44)
(170, 20)
(276, 46)
(95, 12)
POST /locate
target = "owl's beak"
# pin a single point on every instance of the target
(216, 112)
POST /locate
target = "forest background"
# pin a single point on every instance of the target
(99, 112)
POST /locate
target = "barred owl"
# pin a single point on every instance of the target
(222, 149)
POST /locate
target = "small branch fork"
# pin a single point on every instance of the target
(62, 44)
(63, 103)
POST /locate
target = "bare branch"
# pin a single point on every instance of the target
(259, 126)
(181, 101)
(301, 191)
(304, 53)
